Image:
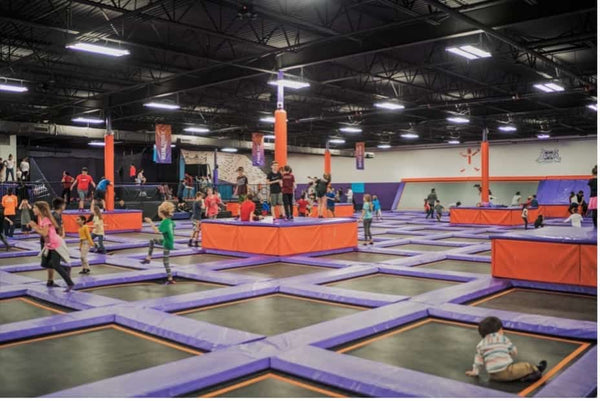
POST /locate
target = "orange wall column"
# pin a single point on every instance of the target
(327, 162)
(485, 171)
(281, 137)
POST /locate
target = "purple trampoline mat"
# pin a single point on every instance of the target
(237, 352)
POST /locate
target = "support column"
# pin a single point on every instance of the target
(109, 163)
(485, 167)
(280, 127)
(327, 162)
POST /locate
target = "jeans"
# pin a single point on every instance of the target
(188, 192)
(100, 241)
(9, 229)
(166, 254)
(288, 201)
(10, 171)
(367, 229)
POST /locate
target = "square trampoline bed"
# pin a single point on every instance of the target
(325, 325)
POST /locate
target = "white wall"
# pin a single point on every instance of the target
(9, 147)
(515, 159)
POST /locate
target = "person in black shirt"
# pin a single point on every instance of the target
(321, 192)
(593, 184)
(275, 181)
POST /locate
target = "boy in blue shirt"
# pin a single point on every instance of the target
(377, 208)
(100, 193)
(331, 200)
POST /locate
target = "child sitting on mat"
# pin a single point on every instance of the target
(85, 242)
(494, 353)
(166, 228)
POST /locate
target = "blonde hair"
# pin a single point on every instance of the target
(44, 209)
(327, 177)
(367, 197)
(166, 209)
(98, 212)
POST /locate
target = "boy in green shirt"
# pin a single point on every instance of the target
(166, 228)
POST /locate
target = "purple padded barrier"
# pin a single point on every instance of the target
(190, 332)
(425, 258)
(75, 299)
(464, 292)
(224, 265)
(555, 287)
(351, 327)
(459, 277)
(471, 249)
(172, 379)
(205, 298)
(13, 291)
(469, 258)
(56, 323)
(13, 279)
(297, 222)
(350, 271)
(341, 295)
(15, 254)
(228, 253)
(549, 325)
(398, 195)
(373, 379)
(215, 277)
(303, 260)
(323, 253)
(579, 380)
(562, 235)
(120, 278)
(556, 192)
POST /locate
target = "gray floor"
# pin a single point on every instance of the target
(16, 310)
(393, 284)
(362, 256)
(277, 270)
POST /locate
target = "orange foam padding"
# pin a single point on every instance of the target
(109, 170)
(500, 217)
(340, 211)
(234, 208)
(279, 241)
(485, 171)
(548, 262)
(281, 137)
(589, 265)
(327, 162)
(130, 220)
(554, 210)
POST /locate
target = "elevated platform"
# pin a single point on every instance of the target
(499, 216)
(114, 221)
(280, 238)
(564, 255)
(341, 210)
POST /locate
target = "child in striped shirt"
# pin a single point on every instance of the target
(495, 352)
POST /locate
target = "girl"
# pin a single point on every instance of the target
(241, 187)
(593, 204)
(85, 242)
(98, 230)
(377, 208)
(166, 228)
(288, 184)
(524, 214)
(573, 205)
(54, 246)
(198, 210)
(211, 203)
(321, 191)
(25, 208)
(367, 219)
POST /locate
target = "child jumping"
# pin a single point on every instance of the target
(85, 242)
(98, 230)
(367, 219)
(166, 227)
(495, 353)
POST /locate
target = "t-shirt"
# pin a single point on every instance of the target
(68, 181)
(534, 203)
(52, 240)
(322, 186)
(593, 184)
(431, 198)
(575, 220)
(197, 207)
(330, 199)
(9, 203)
(349, 196)
(302, 204)
(132, 171)
(242, 185)
(10, 163)
(98, 225)
(376, 204)
(166, 227)
(83, 182)
(367, 207)
(438, 208)
(515, 200)
(495, 352)
(24, 166)
(102, 185)
(212, 205)
(288, 183)
(275, 188)
(246, 210)
(573, 199)
(84, 235)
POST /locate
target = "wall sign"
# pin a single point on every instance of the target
(548, 156)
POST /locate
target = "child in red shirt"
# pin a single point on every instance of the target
(287, 189)
(247, 209)
(302, 206)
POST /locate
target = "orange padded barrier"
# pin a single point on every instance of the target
(234, 208)
(554, 210)
(279, 241)
(500, 217)
(340, 211)
(549, 262)
(130, 220)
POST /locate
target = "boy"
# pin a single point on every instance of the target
(241, 186)
(247, 209)
(100, 193)
(575, 219)
(377, 208)
(330, 194)
(9, 203)
(274, 179)
(288, 184)
(166, 228)
(439, 208)
(58, 206)
(85, 242)
(83, 182)
(495, 352)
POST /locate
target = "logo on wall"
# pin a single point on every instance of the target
(469, 156)
(359, 154)
(548, 156)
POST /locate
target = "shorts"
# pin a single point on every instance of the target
(277, 199)
(332, 208)
(100, 194)
(320, 194)
(82, 194)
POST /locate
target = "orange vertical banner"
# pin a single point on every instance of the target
(327, 162)
(485, 171)
(109, 169)
(281, 137)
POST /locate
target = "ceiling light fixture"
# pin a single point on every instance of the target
(549, 87)
(389, 106)
(458, 120)
(87, 120)
(199, 130)
(96, 143)
(229, 150)
(409, 135)
(507, 128)
(469, 52)
(6, 87)
(351, 130)
(454, 141)
(269, 136)
(384, 146)
(105, 50)
(593, 107)
(337, 140)
(543, 136)
(287, 83)
(166, 106)
(268, 120)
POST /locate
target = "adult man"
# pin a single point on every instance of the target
(431, 198)
(83, 182)
(350, 198)
(275, 181)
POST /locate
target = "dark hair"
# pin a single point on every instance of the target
(534, 195)
(82, 217)
(458, 203)
(57, 203)
(595, 170)
(249, 197)
(432, 189)
(9, 191)
(84, 169)
(489, 325)
(287, 169)
(518, 193)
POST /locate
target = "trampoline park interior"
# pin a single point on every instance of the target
(479, 99)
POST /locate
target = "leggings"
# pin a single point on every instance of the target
(52, 261)
(525, 221)
(288, 200)
(367, 229)
(9, 229)
(100, 240)
(166, 254)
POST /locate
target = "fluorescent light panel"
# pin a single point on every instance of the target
(549, 87)
(458, 120)
(87, 120)
(337, 140)
(409, 135)
(287, 83)
(229, 150)
(269, 136)
(454, 141)
(351, 130)
(268, 120)
(105, 50)
(13, 88)
(469, 52)
(384, 146)
(389, 106)
(593, 107)
(507, 128)
(199, 130)
(543, 136)
(96, 143)
(166, 106)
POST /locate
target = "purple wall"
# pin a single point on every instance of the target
(385, 191)
(556, 192)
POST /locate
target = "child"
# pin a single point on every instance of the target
(288, 184)
(495, 352)
(428, 209)
(2, 236)
(9, 203)
(265, 208)
(25, 208)
(211, 203)
(85, 242)
(54, 246)
(573, 205)
(330, 195)
(575, 219)
(247, 209)
(302, 206)
(166, 227)
(439, 208)
(197, 212)
(321, 190)
(275, 181)
(98, 230)
(377, 208)
(524, 214)
(539, 222)
(593, 184)
(367, 218)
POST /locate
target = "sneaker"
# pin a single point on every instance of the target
(532, 377)
(50, 283)
(371, 243)
(542, 366)
(145, 261)
(190, 243)
(69, 288)
(366, 243)
(85, 271)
